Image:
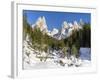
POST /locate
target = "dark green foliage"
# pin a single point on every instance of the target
(86, 36)
(74, 50)
(27, 30)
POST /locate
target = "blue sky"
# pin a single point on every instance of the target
(55, 19)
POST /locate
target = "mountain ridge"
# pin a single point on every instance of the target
(65, 31)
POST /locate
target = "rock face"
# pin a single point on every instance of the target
(41, 24)
(65, 25)
(65, 28)
(54, 31)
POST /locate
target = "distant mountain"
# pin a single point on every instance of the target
(65, 31)
(62, 32)
(41, 24)
(54, 31)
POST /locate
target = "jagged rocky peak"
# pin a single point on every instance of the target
(70, 25)
(65, 25)
(54, 31)
(75, 23)
(41, 23)
(81, 22)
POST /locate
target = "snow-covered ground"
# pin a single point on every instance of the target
(32, 61)
(85, 53)
(52, 64)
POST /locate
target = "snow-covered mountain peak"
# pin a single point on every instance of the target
(44, 20)
(81, 22)
(65, 25)
(41, 24)
(75, 23)
(54, 31)
(70, 25)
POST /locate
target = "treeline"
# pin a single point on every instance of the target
(41, 41)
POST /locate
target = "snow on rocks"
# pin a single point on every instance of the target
(32, 60)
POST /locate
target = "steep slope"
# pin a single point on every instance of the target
(41, 24)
